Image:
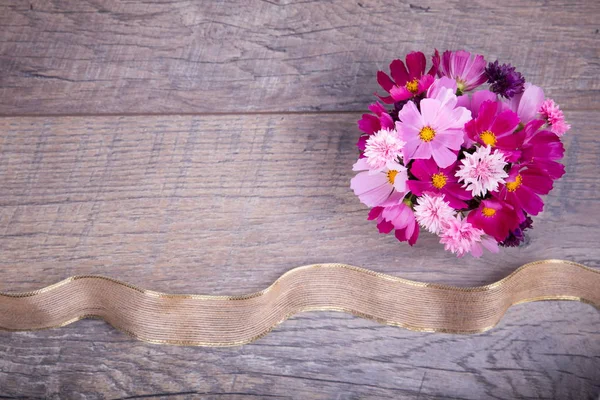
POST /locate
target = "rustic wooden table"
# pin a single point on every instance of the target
(206, 147)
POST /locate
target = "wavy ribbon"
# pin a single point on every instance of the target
(198, 320)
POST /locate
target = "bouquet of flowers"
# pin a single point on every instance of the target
(463, 162)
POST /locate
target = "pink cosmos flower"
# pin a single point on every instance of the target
(541, 149)
(482, 171)
(435, 131)
(383, 149)
(398, 217)
(404, 84)
(431, 178)
(376, 188)
(495, 218)
(495, 129)
(433, 213)
(523, 187)
(526, 104)
(552, 113)
(370, 124)
(460, 237)
(468, 72)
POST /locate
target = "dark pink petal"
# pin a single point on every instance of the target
(537, 181)
(386, 99)
(416, 64)
(384, 81)
(377, 109)
(362, 142)
(530, 202)
(374, 213)
(506, 122)
(399, 72)
(419, 187)
(478, 98)
(435, 59)
(425, 83)
(453, 201)
(400, 93)
(487, 113)
(471, 130)
(552, 168)
(385, 226)
(369, 124)
(401, 235)
(422, 169)
(456, 190)
(415, 235)
(387, 121)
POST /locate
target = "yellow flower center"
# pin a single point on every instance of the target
(488, 212)
(412, 86)
(438, 180)
(488, 138)
(512, 186)
(460, 86)
(427, 134)
(392, 176)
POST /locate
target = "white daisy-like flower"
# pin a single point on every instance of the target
(383, 148)
(433, 213)
(482, 171)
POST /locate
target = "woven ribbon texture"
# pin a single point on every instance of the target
(199, 320)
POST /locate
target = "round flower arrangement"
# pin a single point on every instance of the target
(463, 162)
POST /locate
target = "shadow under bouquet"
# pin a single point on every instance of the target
(463, 161)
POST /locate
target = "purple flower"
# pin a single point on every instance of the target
(504, 80)
(516, 237)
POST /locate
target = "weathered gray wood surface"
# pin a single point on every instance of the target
(89, 56)
(224, 204)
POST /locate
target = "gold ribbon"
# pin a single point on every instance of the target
(197, 320)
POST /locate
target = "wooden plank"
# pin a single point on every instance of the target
(235, 200)
(225, 204)
(86, 57)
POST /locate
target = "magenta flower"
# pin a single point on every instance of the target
(468, 72)
(404, 84)
(370, 124)
(553, 115)
(523, 187)
(436, 131)
(496, 130)
(460, 237)
(431, 178)
(542, 149)
(398, 217)
(495, 218)
(377, 188)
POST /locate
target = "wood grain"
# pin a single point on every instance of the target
(90, 57)
(224, 205)
(206, 147)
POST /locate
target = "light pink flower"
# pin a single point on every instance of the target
(399, 218)
(526, 104)
(435, 131)
(460, 237)
(383, 148)
(468, 72)
(482, 171)
(554, 116)
(433, 213)
(378, 188)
